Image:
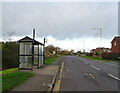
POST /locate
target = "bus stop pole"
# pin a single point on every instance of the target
(44, 52)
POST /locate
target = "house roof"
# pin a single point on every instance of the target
(28, 39)
(100, 48)
(116, 37)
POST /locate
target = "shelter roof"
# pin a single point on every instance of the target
(28, 39)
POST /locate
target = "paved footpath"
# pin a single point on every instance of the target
(42, 77)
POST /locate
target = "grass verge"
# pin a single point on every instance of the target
(97, 58)
(50, 60)
(8, 71)
(9, 81)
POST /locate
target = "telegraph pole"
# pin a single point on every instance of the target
(100, 29)
(100, 43)
(83, 46)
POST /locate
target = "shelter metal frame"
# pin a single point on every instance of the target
(28, 50)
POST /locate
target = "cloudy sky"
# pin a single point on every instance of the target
(68, 25)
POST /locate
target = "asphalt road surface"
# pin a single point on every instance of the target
(80, 74)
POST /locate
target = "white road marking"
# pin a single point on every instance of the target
(87, 75)
(91, 75)
(94, 67)
(66, 69)
(44, 84)
(114, 77)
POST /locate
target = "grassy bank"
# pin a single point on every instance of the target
(97, 58)
(50, 60)
(8, 71)
(12, 78)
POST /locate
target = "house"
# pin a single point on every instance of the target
(96, 51)
(115, 45)
(93, 51)
(102, 49)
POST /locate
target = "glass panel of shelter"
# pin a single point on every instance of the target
(26, 48)
(25, 57)
(36, 52)
(40, 55)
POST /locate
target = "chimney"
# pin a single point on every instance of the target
(33, 33)
(44, 40)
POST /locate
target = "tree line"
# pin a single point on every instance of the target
(10, 53)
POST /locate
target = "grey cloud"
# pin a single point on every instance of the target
(60, 20)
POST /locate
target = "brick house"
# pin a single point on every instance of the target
(102, 49)
(115, 45)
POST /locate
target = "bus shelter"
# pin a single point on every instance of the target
(30, 53)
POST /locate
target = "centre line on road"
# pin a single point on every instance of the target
(114, 77)
(94, 67)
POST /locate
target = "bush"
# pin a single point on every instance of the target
(57, 55)
(111, 56)
(50, 55)
(47, 55)
(9, 55)
(88, 54)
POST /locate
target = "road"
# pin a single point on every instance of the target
(80, 74)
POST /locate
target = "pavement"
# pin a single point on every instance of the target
(41, 80)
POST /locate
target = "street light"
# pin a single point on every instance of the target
(100, 42)
(100, 29)
(83, 46)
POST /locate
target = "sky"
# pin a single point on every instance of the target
(68, 25)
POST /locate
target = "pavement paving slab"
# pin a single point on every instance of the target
(39, 82)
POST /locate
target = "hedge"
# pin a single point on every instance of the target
(111, 56)
(9, 55)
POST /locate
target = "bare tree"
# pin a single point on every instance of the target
(8, 36)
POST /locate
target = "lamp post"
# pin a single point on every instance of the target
(100, 29)
(83, 46)
(100, 43)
